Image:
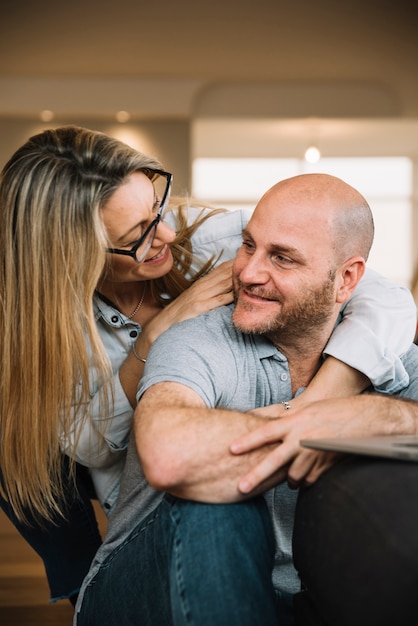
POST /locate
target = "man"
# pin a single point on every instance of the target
(212, 550)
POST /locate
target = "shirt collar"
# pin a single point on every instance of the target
(108, 313)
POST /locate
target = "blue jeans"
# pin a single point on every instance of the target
(189, 563)
(66, 546)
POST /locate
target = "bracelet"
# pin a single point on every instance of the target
(286, 405)
(138, 356)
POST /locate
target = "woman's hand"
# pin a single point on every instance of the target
(209, 292)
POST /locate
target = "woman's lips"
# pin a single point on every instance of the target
(161, 256)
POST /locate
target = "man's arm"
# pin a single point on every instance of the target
(358, 416)
(184, 447)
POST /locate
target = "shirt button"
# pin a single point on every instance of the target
(283, 377)
(114, 319)
(106, 505)
(133, 334)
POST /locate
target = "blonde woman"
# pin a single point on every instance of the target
(91, 274)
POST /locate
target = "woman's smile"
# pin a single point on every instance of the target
(160, 257)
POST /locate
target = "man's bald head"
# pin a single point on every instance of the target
(327, 200)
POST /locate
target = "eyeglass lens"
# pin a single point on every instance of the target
(160, 187)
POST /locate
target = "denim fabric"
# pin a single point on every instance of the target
(66, 546)
(189, 563)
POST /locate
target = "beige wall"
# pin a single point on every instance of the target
(168, 140)
(175, 64)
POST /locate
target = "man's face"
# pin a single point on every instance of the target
(284, 273)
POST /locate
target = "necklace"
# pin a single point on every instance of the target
(138, 306)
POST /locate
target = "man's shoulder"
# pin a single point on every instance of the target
(214, 332)
(215, 321)
(211, 333)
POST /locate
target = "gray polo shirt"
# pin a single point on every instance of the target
(229, 370)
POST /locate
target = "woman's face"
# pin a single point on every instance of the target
(126, 215)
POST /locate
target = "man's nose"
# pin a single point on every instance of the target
(254, 270)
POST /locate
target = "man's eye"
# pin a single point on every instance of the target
(283, 260)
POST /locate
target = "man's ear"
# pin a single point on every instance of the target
(350, 274)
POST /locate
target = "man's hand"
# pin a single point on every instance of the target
(302, 466)
(358, 416)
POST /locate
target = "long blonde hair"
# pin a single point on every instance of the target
(181, 276)
(52, 250)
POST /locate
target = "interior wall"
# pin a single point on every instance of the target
(288, 138)
(168, 140)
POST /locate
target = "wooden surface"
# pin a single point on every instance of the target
(24, 592)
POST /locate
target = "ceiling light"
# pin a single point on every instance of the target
(46, 115)
(312, 154)
(122, 116)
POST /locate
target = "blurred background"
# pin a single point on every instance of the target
(230, 95)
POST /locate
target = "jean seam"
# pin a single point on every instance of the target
(134, 534)
(175, 516)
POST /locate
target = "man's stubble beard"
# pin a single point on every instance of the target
(310, 313)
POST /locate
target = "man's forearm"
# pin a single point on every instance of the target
(184, 450)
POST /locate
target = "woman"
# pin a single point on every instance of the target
(90, 276)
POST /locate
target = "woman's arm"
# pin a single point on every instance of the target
(377, 327)
(334, 379)
(209, 292)
(101, 436)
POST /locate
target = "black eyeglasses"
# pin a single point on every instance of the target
(162, 187)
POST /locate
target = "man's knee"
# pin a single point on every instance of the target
(246, 517)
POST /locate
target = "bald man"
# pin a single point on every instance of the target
(202, 533)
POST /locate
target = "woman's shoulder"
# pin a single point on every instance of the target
(220, 235)
(218, 223)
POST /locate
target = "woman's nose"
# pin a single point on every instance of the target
(164, 233)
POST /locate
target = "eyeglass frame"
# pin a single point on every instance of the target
(153, 225)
